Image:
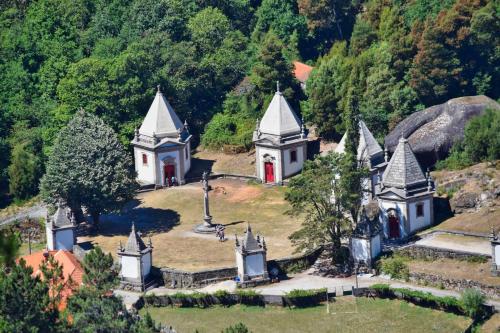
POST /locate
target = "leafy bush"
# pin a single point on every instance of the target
(304, 298)
(472, 301)
(481, 142)
(238, 328)
(395, 267)
(249, 297)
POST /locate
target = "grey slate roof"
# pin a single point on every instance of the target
(280, 119)
(249, 241)
(368, 147)
(403, 169)
(61, 217)
(135, 243)
(161, 119)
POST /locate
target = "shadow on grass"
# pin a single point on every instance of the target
(147, 220)
(198, 165)
(233, 223)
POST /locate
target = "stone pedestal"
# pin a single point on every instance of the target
(207, 227)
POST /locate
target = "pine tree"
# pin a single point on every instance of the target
(89, 167)
(99, 271)
(24, 172)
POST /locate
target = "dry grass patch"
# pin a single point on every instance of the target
(456, 269)
(168, 216)
(241, 164)
(492, 325)
(481, 221)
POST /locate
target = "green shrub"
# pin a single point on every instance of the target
(472, 301)
(228, 129)
(381, 287)
(238, 328)
(249, 297)
(396, 267)
(152, 300)
(304, 298)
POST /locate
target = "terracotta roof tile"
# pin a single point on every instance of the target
(301, 71)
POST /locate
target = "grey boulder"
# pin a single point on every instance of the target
(433, 131)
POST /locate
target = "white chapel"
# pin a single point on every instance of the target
(280, 142)
(162, 147)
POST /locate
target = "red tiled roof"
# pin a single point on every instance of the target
(72, 269)
(301, 71)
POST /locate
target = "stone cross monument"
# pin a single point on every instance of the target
(207, 226)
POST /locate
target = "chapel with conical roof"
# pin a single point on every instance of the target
(251, 259)
(136, 260)
(280, 142)
(405, 194)
(162, 146)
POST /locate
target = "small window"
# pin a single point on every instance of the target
(420, 209)
(144, 159)
(293, 156)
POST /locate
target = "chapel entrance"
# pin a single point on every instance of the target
(269, 172)
(169, 172)
(393, 226)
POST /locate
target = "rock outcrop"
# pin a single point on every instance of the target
(433, 131)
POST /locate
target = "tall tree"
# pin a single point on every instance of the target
(24, 301)
(89, 167)
(10, 243)
(99, 272)
(24, 172)
(310, 195)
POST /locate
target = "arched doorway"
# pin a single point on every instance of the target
(268, 169)
(169, 166)
(393, 224)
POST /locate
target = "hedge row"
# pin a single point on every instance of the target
(203, 300)
(426, 299)
(294, 298)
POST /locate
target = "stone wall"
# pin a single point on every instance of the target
(173, 278)
(454, 284)
(431, 253)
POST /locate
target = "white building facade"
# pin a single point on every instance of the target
(280, 142)
(60, 230)
(251, 259)
(405, 195)
(162, 146)
(136, 260)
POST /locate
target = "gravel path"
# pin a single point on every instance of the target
(457, 243)
(37, 211)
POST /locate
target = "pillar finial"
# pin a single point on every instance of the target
(386, 154)
(278, 86)
(158, 87)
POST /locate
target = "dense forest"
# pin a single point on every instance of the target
(218, 61)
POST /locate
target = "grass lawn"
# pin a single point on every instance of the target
(169, 216)
(346, 315)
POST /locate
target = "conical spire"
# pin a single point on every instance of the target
(403, 169)
(61, 217)
(161, 118)
(135, 244)
(249, 241)
(279, 118)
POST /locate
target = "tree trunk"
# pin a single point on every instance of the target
(95, 219)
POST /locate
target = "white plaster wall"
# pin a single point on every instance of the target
(376, 246)
(497, 255)
(255, 265)
(400, 207)
(292, 168)
(50, 241)
(417, 223)
(277, 163)
(239, 264)
(130, 267)
(187, 161)
(145, 173)
(64, 240)
(359, 249)
(161, 156)
(146, 264)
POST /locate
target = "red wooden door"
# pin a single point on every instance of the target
(169, 172)
(393, 227)
(269, 171)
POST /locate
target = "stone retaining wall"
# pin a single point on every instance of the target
(454, 284)
(173, 278)
(431, 253)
